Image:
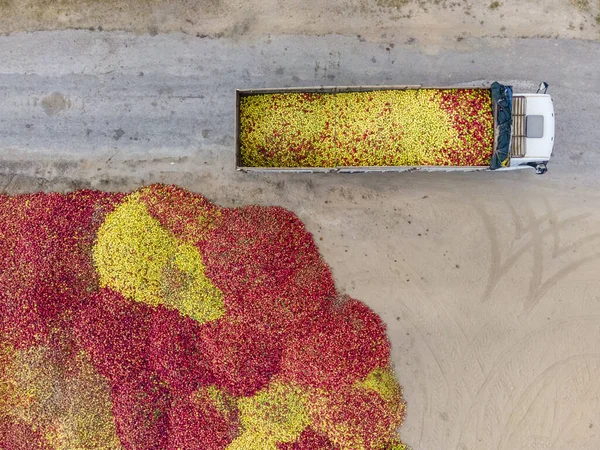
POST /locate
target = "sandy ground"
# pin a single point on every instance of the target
(431, 22)
(488, 282)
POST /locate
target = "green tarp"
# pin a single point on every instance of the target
(502, 103)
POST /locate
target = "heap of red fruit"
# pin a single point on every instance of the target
(157, 320)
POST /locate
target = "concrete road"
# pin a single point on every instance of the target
(488, 281)
(95, 95)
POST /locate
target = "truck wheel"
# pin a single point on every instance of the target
(541, 169)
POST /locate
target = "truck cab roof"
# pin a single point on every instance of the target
(539, 126)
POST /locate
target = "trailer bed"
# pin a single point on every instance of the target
(269, 145)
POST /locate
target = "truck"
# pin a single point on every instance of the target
(399, 128)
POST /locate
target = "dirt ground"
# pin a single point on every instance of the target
(488, 282)
(429, 21)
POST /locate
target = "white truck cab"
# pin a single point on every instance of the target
(532, 134)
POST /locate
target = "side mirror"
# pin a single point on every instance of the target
(542, 88)
(541, 169)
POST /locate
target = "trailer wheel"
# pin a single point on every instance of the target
(541, 169)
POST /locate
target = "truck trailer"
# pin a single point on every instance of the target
(353, 129)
